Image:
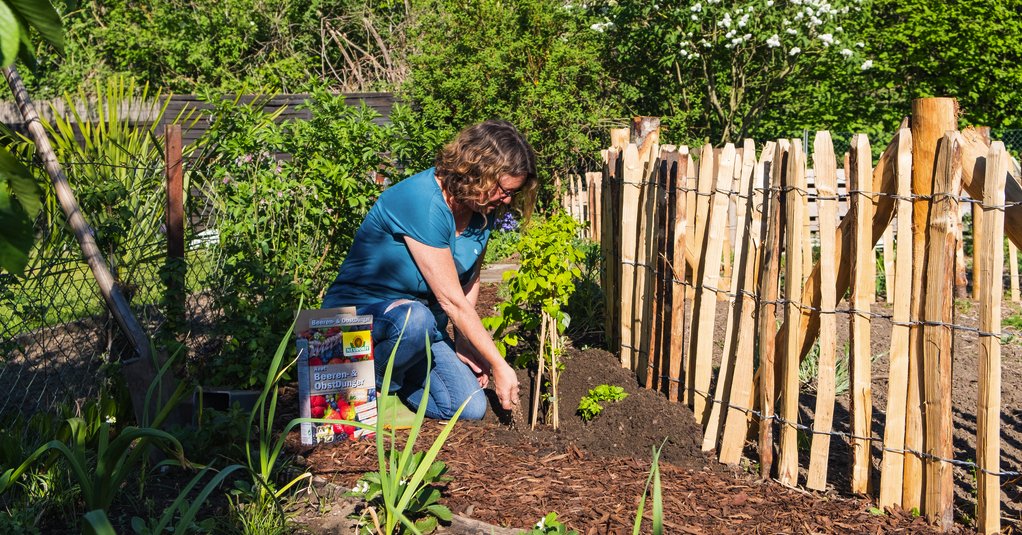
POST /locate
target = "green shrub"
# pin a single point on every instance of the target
(589, 406)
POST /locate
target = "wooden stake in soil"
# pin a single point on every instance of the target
(860, 356)
(888, 253)
(979, 232)
(610, 246)
(937, 333)
(825, 166)
(659, 319)
(595, 206)
(737, 422)
(722, 391)
(988, 417)
(767, 321)
(787, 467)
(645, 133)
(705, 306)
(679, 267)
(900, 292)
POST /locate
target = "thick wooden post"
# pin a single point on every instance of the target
(937, 333)
(645, 134)
(931, 117)
(175, 192)
(893, 463)
(988, 417)
(979, 232)
(697, 248)
(631, 210)
(826, 187)
(1013, 270)
(660, 317)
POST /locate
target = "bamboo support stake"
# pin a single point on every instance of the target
(988, 417)
(787, 466)
(1013, 271)
(737, 422)
(538, 385)
(825, 166)
(893, 464)
(705, 306)
(632, 177)
(767, 321)
(744, 166)
(679, 268)
(937, 336)
(859, 341)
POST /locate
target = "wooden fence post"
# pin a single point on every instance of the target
(678, 203)
(937, 333)
(697, 247)
(979, 232)
(741, 399)
(610, 249)
(659, 319)
(705, 307)
(825, 166)
(1013, 270)
(931, 117)
(988, 417)
(860, 355)
(645, 134)
(893, 464)
(787, 467)
(888, 255)
(632, 177)
(744, 166)
(767, 321)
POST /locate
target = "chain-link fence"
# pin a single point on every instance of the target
(57, 338)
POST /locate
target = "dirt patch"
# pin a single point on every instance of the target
(593, 474)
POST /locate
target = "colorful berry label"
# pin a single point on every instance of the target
(336, 375)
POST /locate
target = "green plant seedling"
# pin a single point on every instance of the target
(589, 406)
(182, 507)
(658, 503)
(549, 525)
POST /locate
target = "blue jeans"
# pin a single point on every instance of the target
(451, 382)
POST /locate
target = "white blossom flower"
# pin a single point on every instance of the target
(815, 21)
(730, 34)
(838, 29)
(867, 65)
(774, 41)
(794, 51)
(743, 21)
(860, 44)
(770, 3)
(697, 7)
(726, 21)
(746, 37)
(800, 15)
(695, 17)
(846, 52)
(791, 31)
(695, 55)
(705, 43)
(827, 39)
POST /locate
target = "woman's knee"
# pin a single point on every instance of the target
(475, 407)
(412, 320)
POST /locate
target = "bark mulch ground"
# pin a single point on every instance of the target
(592, 475)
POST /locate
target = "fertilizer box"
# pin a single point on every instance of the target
(336, 377)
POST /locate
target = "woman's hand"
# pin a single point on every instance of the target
(505, 383)
(477, 364)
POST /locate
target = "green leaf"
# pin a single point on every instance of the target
(96, 523)
(21, 183)
(10, 35)
(16, 233)
(40, 15)
(441, 512)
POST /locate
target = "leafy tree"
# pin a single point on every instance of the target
(535, 63)
(719, 63)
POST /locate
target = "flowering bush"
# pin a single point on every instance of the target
(739, 51)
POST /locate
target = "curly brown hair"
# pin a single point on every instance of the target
(470, 166)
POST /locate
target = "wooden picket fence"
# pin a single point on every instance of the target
(685, 229)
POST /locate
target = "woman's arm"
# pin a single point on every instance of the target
(437, 267)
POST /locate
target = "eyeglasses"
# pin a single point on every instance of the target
(504, 193)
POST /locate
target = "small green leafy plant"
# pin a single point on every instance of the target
(538, 294)
(589, 406)
(549, 525)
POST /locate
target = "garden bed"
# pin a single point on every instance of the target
(593, 474)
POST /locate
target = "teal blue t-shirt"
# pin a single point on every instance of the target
(379, 266)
